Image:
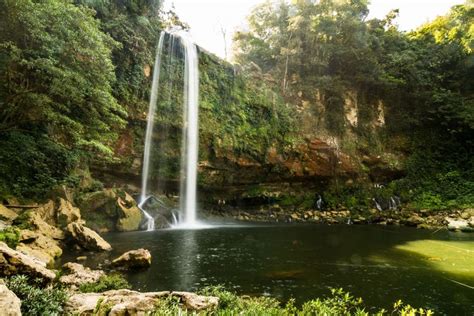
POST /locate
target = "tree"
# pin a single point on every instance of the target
(57, 74)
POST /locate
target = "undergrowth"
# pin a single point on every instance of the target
(35, 299)
(339, 303)
(106, 283)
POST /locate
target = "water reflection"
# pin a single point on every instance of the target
(188, 252)
(381, 265)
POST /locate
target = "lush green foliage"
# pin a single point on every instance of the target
(10, 236)
(340, 303)
(35, 300)
(240, 113)
(136, 25)
(56, 94)
(30, 164)
(106, 283)
(323, 52)
(57, 73)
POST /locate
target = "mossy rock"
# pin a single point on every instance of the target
(110, 210)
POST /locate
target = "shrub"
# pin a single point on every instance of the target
(36, 301)
(339, 303)
(106, 283)
(10, 236)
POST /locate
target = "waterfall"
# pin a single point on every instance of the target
(150, 221)
(377, 205)
(319, 202)
(394, 203)
(150, 124)
(190, 132)
(190, 126)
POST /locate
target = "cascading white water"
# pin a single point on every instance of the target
(150, 221)
(190, 132)
(149, 132)
(190, 138)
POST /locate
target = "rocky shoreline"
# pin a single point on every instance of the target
(74, 275)
(35, 235)
(462, 220)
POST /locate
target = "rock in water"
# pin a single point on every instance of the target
(9, 302)
(134, 259)
(111, 210)
(76, 274)
(458, 225)
(87, 238)
(126, 302)
(129, 214)
(14, 262)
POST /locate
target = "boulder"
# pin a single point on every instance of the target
(9, 303)
(195, 302)
(111, 210)
(7, 214)
(129, 215)
(39, 246)
(414, 220)
(134, 259)
(465, 215)
(127, 302)
(14, 262)
(76, 274)
(67, 213)
(40, 225)
(47, 212)
(86, 237)
(458, 224)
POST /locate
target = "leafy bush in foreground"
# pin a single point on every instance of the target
(106, 283)
(35, 300)
(340, 303)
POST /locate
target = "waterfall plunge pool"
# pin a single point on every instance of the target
(380, 264)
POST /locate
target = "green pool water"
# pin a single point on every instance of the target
(381, 264)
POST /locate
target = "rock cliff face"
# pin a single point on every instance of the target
(241, 142)
(313, 163)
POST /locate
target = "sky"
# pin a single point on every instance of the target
(213, 20)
